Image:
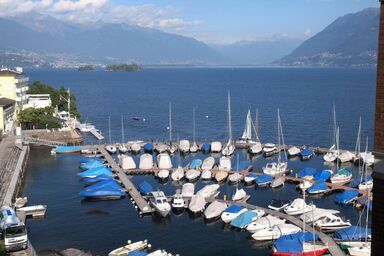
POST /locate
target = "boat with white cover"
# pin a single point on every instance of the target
(275, 232)
(126, 162)
(188, 190)
(293, 151)
(316, 214)
(225, 163)
(209, 191)
(305, 184)
(208, 163)
(269, 149)
(363, 250)
(264, 222)
(216, 147)
(220, 176)
(206, 175)
(346, 156)
(135, 148)
(192, 174)
(234, 178)
(278, 205)
(163, 174)
(298, 206)
(146, 162)
(277, 182)
(197, 203)
(164, 161)
(214, 210)
(239, 195)
(160, 203)
(184, 146)
(177, 174)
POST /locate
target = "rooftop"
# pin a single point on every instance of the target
(5, 102)
(8, 71)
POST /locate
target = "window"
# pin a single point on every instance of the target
(14, 232)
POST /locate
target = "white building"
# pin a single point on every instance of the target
(38, 101)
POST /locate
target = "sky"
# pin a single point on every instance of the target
(211, 21)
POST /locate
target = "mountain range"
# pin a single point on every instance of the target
(35, 39)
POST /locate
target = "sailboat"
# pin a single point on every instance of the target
(256, 147)
(172, 147)
(230, 147)
(194, 146)
(281, 167)
(332, 153)
(239, 194)
(178, 174)
(110, 148)
(365, 248)
(122, 147)
(247, 133)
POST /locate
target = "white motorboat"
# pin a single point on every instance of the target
(126, 162)
(178, 174)
(146, 162)
(277, 182)
(197, 203)
(208, 163)
(34, 210)
(332, 222)
(305, 184)
(188, 190)
(275, 232)
(220, 176)
(225, 163)
(298, 206)
(184, 146)
(192, 174)
(178, 202)
(163, 174)
(160, 203)
(240, 194)
(214, 210)
(361, 250)
(255, 148)
(293, 151)
(164, 161)
(122, 148)
(209, 191)
(278, 205)
(159, 253)
(232, 212)
(206, 175)
(346, 156)
(235, 178)
(274, 168)
(216, 147)
(331, 156)
(341, 176)
(135, 148)
(269, 149)
(264, 223)
(316, 214)
(130, 247)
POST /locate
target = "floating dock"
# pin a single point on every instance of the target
(96, 133)
(141, 203)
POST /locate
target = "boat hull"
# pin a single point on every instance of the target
(311, 253)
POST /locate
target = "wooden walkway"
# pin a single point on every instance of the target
(333, 248)
(141, 203)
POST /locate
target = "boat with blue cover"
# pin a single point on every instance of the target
(245, 218)
(307, 172)
(306, 153)
(232, 212)
(297, 246)
(105, 193)
(66, 149)
(148, 147)
(195, 164)
(91, 173)
(306, 236)
(109, 184)
(206, 147)
(353, 233)
(347, 196)
(145, 188)
(264, 180)
(323, 175)
(137, 253)
(101, 177)
(318, 188)
(91, 165)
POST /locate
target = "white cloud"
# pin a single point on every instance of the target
(78, 5)
(15, 7)
(307, 32)
(176, 23)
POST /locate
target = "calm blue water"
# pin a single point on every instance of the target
(304, 96)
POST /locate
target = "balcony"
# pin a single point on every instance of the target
(23, 89)
(21, 80)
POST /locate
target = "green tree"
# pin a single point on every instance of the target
(38, 118)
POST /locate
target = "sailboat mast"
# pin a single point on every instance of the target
(109, 129)
(170, 123)
(337, 146)
(122, 130)
(257, 124)
(278, 136)
(229, 118)
(358, 139)
(334, 124)
(69, 103)
(194, 116)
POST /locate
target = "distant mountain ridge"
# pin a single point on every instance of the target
(351, 40)
(106, 43)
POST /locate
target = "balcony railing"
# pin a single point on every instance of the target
(21, 80)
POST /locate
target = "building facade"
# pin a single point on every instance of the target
(13, 88)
